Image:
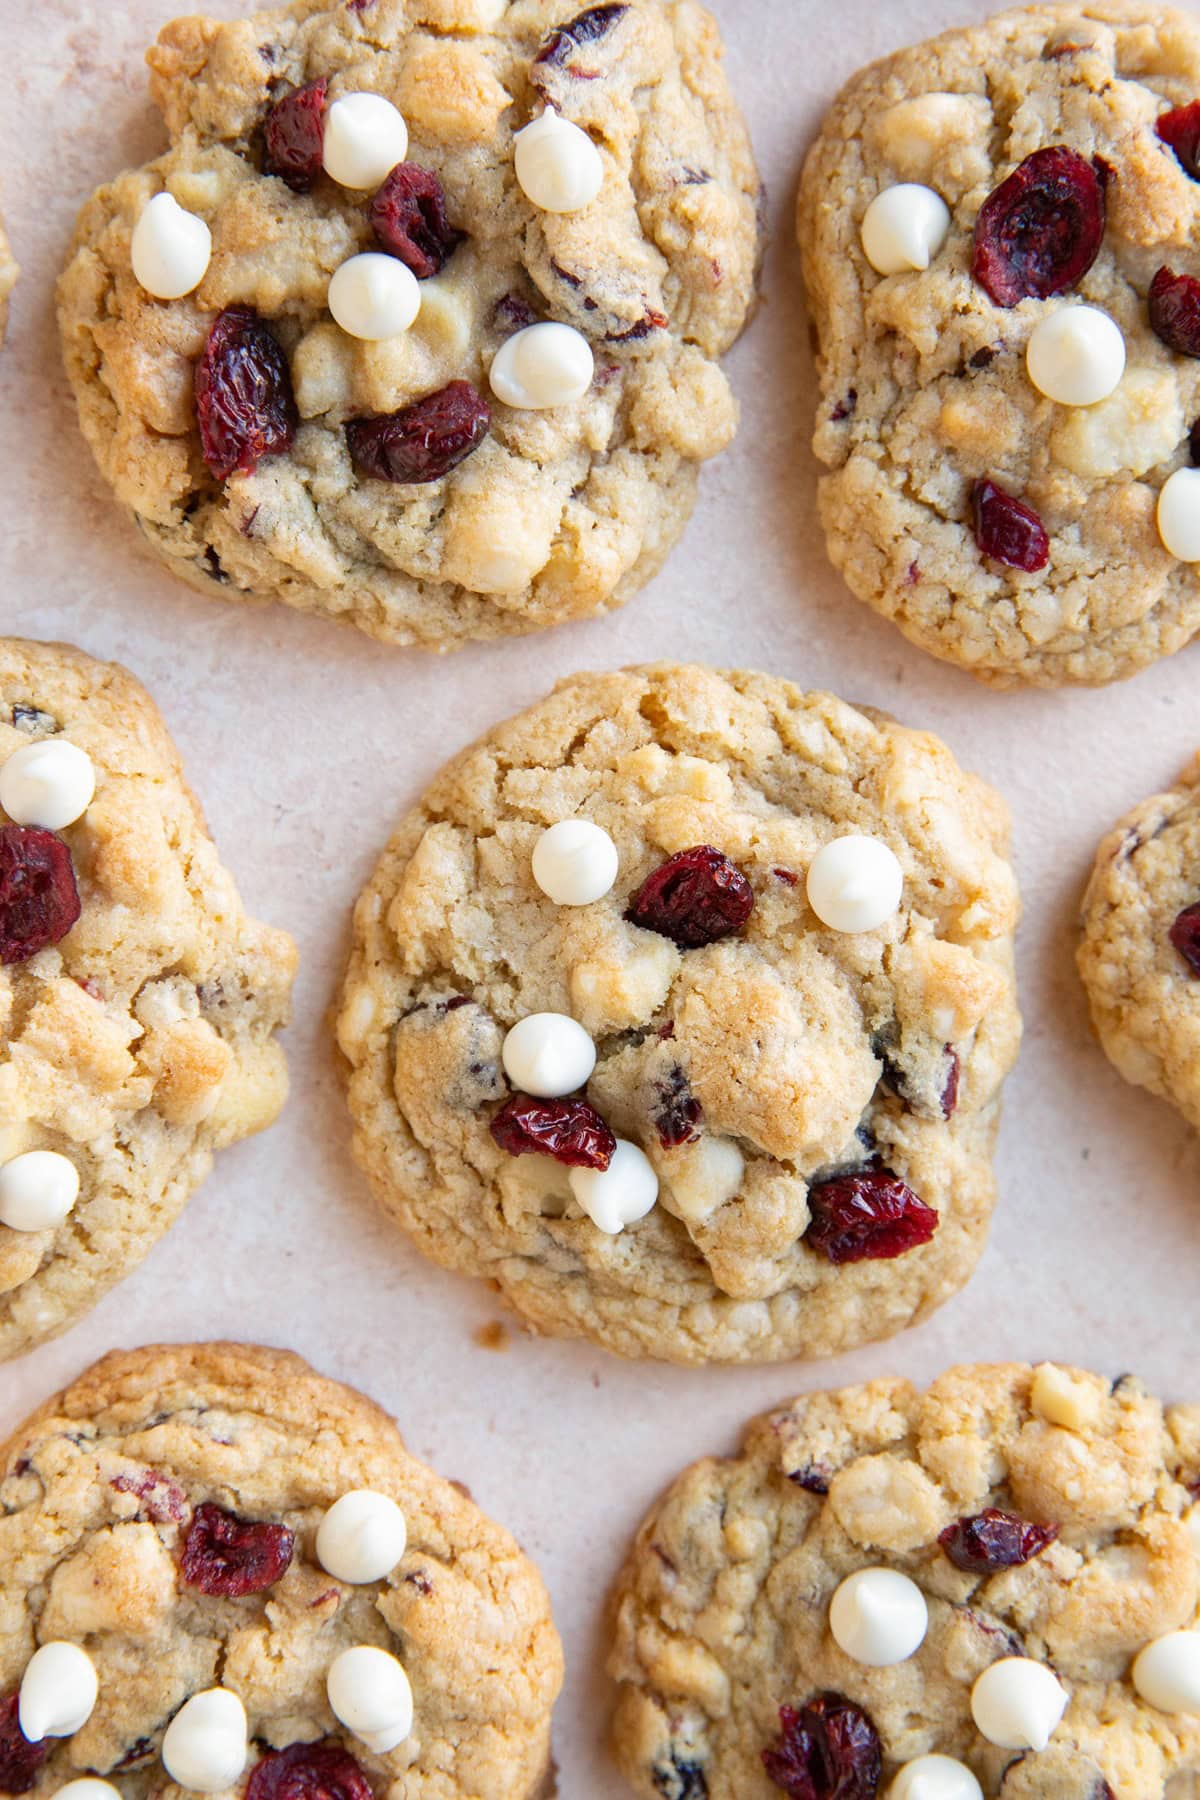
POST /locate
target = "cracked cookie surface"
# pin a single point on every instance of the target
(720, 1617)
(97, 1493)
(8, 278)
(144, 1040)
(923, 378)
(556, 514)
(747, 1070)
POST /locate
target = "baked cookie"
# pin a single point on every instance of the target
(999, 231)
(224, 1572)
(404, 441)
(138, 1003)
(978, 1591)
(770, 935)
(1140, 953)
(8, 278)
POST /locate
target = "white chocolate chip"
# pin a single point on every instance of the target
(37, 1190)
(365, 137)
(878, 1617)
(50, 783)
(1167, 1673)
(1062, 1399)
(935, 1778)
(543, 366)
(88, 1787)
(575, 862)
(557, 164)
(702, 1176)
(204, 1747)
(1076, 355)
(362, 1537)
(904, 228)
(58, 1692)
(371, 1696)
(548, 1055)
(619, 1195)
(1018, 1703)
(373, 296)
(170, 250)
(1179, 515)
(855, 884)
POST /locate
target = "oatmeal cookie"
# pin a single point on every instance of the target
(470, 474)
(784, 1146)
(218, 1516)
(1033, 1548)
(8, 278)
(138, 1003)
(1006, 414)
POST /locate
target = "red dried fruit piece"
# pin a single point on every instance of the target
(570, 1131)
(697, 897)
(1180, 129)
(161, 1499)
(1174, 303)
(1185, 935)
(294, 135)
(991, 1540)
(321, 1771)
(39, 901)
(245, 406)
(586, 28)
(1007, 530)
(408, 216)
(229, 1556)
(20, 1760)
(829, 1750)
(424, 441)
(1040, 231)
(869, 1217)
(677, 1118)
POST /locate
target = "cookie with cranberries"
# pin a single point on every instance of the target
(140, 1004)
(777, 1142)
(163, 1514)
(1030, 165)
(1043, 1513)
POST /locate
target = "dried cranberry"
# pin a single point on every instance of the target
(1040, 231)
(827, 1751)
(20, 1760)
(679, 1778)
(992, 1540)
(39, 901)
(570, 1131)
(1180, 129)
(1185, 935)
(695, 898)
(586, 28)
(1009, 531)
(295, 137)
(409, 219)
(161, 1499)
(951, 1084)
(321, 1771)
(814, 1478)
(229, 1556)
(244, 401)
(869, 1217)
(1175, 311)
(679, 1114)
(424, 441)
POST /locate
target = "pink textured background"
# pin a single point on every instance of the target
(306, 741)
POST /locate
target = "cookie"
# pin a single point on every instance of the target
(219, 1517)
(1009, 1560)
(1005, 416)
(138, 1003)
(8, 278)
(1140, 951)
(604, 1051)
(292, 427)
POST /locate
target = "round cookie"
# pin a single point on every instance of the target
(139, 1004)
(8, 278)
(392, 486)
(804, 1116)
(1045, 1515)
(1140, 952)
(163, 1513)
(1008, 532)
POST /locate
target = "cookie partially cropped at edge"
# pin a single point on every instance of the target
(386, 482)
(8, 278)
(139, 1004)
(1140, 952)
(743, 1135)
(1044, 160)
(1009, 1512)
(219, 1515)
